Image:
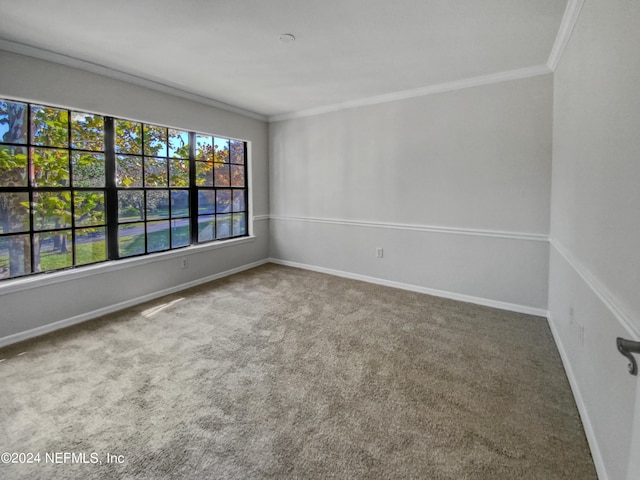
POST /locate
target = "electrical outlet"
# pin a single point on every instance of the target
(185, 263)
(379, 252)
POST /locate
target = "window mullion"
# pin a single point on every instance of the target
(72, 191)
(30, 182)
(193, 190)
(111, 189)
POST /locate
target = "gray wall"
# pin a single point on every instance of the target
(36, 304)
(594, 283)
(455, 187)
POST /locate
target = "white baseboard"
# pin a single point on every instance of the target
(582, 409)
(51, 327)
(591, 438)
(416, 288)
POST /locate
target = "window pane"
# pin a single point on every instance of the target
(204, 174)
(87, 169)
(237, 151)
(238, 200)
(129, 171)
(178, 143)
(206, 202)
(15, 256)
(239, 224)
(55, 250)
(131, 239)
(206, 228)
(180, 232)
(223, 201)
(158, 236)
(157, 204)
(237, 175)
(58, 158)
(89, 208)
(223, 225)
(87, 131)
(130, 205)
(50, 167)
(155, 172)
(13, 122)
(51, 210)
(91, 245)
(179, 173)
(49, 126)
(221, 174)
(155, 141)
(14, 212)
(221, 147)
(13, 166)
(204, 147)
(128, 137)
(179, 203)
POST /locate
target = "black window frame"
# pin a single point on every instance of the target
(111, 190)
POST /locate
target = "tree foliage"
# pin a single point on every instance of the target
(63, 161)
(53, 136)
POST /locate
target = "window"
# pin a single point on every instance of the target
(78, 188)
(152, 182)
(220, 183)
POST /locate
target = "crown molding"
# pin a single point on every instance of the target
(571, 13)
(42, 54)
(420, 92)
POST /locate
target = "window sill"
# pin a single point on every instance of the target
(42, 280)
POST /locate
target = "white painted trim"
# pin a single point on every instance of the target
(571, 14)
(600, 290)
(499, 77)
(174, 90)
(512, 307)
(260, 218)
(582, 408)
(178, 91)
(36, 281)
(535, 237)
(35, 332)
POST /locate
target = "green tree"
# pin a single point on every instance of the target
(14, 214)
(51, 167)
(158, 144)
(50, 128)
(67, 161)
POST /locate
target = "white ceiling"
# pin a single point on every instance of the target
(345, 50)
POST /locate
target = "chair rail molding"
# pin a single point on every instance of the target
(535, 237)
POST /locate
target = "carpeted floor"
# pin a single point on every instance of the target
(283, 373)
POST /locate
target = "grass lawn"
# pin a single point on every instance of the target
(96, 250)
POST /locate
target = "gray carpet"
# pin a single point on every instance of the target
(283, 373)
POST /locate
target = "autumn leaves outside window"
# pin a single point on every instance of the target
(78, 188)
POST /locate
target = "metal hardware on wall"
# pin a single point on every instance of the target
(626, 348)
